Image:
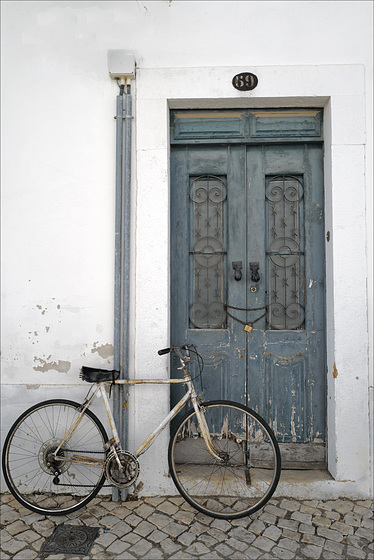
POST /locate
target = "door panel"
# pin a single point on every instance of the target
(261, 206)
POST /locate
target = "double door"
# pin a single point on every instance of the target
(247, 282)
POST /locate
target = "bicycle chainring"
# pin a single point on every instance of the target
(127, 474)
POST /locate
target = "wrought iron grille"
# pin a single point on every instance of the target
(285, 252)
(208, 197)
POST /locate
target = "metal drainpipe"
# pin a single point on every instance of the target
(122, 260)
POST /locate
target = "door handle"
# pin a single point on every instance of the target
(237, 266)
(254, 266)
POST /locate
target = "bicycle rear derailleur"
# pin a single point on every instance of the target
(122, 468)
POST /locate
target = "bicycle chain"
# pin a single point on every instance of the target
(85, 485)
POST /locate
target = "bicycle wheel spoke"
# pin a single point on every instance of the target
(236, 485)
(37, 478)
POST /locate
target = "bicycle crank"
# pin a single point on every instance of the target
(122, 469)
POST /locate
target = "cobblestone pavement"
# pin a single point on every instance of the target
(168, 528)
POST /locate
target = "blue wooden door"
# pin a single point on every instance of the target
(247, 230)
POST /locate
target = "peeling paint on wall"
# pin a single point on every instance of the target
(104, 351)
(61, 366)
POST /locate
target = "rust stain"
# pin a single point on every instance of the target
(335, 371)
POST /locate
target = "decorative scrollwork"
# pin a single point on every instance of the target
(207, 195)
(285, 251)
(286, 318)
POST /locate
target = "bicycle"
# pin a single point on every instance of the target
(223, 457)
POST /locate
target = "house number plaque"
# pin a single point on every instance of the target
(245, 81)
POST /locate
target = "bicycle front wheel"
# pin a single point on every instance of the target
(246, 476)
(35, 477)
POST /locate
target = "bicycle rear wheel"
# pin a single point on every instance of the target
(250, 469)
(42, 483)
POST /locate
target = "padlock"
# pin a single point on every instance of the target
(248, 328)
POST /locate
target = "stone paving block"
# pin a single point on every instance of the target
(120, 529)
(133, 519)
(320, 521)
(291, 524)
(16, 527)
(313, 539)
(208, 540)
(353, 520)
(282, 553)
(168, 508)
(154, 501)
(175, 529)
(237, 545)
(332, 515)
(308, 509)
(302, 517)
(185, 517)
(278, 512)
(268, 518)
(169, 547)
(290, 505)
(153, 554)
(357, 542)
(288, 544)
(242, 534)
(335, 547)
(252, 553)
(141, 548)
(329, 534)
(144, 529)
(211, 556)
(363, 511)
(257, 527)
(355, 552)
(118, 547)
(13, 546)
(27, 536)
(365, 534)
(186, 539)
(197, 549)
(108, 521)
(157, 536)
(205, 519)
(330, 556)
(263, 543)
(342, 527)
(367, 523)
(293, 535)
(272, 533)
(25, 554)
(308, 529)
(197, 528)
(159, 520)
(224, 550)
(131, 538)
(311, 551)
(144, 510)
(221, 524)
(105, 539)
(217, 534)
(241, 522)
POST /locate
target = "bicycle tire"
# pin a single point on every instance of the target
(249, 475)
(27, 468)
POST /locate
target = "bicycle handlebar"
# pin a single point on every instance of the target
(173, 348)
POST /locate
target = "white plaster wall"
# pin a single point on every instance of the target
(58, 186)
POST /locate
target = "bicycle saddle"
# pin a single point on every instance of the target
(95, 375)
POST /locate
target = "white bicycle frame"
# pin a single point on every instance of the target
(100, 390)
